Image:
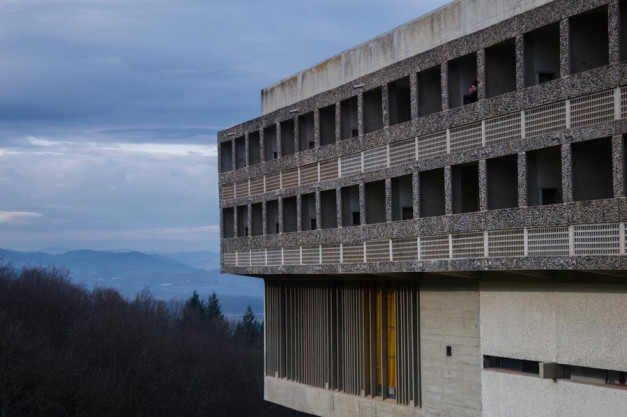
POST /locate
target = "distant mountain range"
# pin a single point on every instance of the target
(168, 276)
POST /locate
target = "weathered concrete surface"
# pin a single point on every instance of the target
(327, 403)
(567, 323)
(456, 19)
(512, 395)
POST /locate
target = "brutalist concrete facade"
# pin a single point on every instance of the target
(428, 255)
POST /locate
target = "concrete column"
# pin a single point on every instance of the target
(520, 62)
(235, 222)
(564, 48)
(385, 105)
(318, 211)
(567, 177)
(483, 185)
(249, 221)
(448, 190)
(338, 122)
(262, 145)
(279, 148)
(415, 176)
(618, 168)
(297, 135)
(233, 154)
(280, 214)
(444, 81)
(246, 151)
(264, 217)
(413, 94)
(299, 213)
(362, 204)
(338, 202)
(481, 74)
(316, 115)
(388, 200)
(613, 19)
(522, 179)
(360, 114)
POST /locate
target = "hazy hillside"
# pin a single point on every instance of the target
(168, 276)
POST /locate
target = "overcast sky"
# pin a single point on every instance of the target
(109, 108)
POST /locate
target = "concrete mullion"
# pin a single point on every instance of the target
(444, 85)
(415, 176)
(567, 178)
(520, 62)
(481, 80)
(318, 211)
(413, 94)
(618, 168)
(362, 204)
(483, 185)
(316, 115)
(388, 199)
(522, 179)
(564, 48)
(360, 114)
(299, 213)
(448, 190)
(613, 20)
(385, 105)
(280, 204)
(338, 203)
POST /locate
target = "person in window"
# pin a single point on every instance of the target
(472, 92)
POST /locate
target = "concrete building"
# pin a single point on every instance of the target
(426, 254)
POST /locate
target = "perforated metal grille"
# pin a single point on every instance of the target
(331, 254)
(241, 189)
(404, 249)
(468, 245)
(311, 255)
(402, 152)
(502, 129)
(229, 258)
(289, 178)
(273, 182)
(243, 258)
(274, 256)
(597, 239)
(228, 191)
(351, 164)
(376, 158)
(432, 145)
(434, 247)
(328, 170)
(548, 241)
(506, 243)
(353, 253)
(309, 174)
(258, 257)
(591, 109)
(291, 256)
(545, 119)
(256, 186)
(623, 101)
(378, 251)
(466, 137)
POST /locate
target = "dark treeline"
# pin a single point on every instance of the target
(67, 351)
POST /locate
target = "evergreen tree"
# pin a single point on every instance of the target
(249, 328)
(195, 303)
(214, 310)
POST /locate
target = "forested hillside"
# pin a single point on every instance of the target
(67, 351)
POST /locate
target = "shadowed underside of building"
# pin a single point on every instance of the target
(426, 252)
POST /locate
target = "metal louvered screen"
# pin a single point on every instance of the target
(291, 256)
(256, 186)
(258, 257)
(309, 174)
(434, 247)
(402, 152)
(375, 159)
(468, 245)
(243, 258)
(503, 129)
(545, 119)
(328, 170)
(273, 182)
(351, 164)
(289, 178)
(467, 137)
(241, 189)
(404, 249)
(503, 243)
(432, 145)
(229, 259)
(228, 191)
(548, 241)
(378, 251)
(597, 239)
(592, 109)
(352, 253)
(311, 255)
(331, 254)
(274, 256)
